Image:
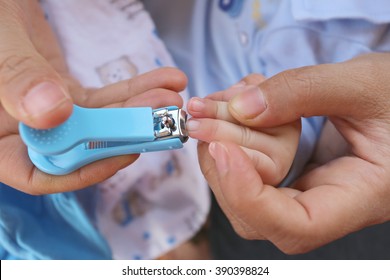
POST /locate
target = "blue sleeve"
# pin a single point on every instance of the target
(47, 227)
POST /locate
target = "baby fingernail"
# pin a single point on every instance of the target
(192, 125)
(196, 104)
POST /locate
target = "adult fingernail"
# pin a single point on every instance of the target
(249, 103)
(43, 98)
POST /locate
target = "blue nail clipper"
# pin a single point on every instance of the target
(93, 134)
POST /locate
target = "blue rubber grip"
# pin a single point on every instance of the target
(85, 124)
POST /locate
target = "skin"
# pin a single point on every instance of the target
(271, 150)
(37, 89)
(339, 195)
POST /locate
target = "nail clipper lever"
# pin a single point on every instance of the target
(93, 134)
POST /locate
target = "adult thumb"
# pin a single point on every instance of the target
(357, 88)
(31, 90)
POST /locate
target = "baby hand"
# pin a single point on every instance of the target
(271, 150)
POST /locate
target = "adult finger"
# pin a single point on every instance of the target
(155, 98)
(166, 78)
(208, 168)
(33, 181)
(336, 206)
(356, 88)
(30, 88)
(226, 95)
(245, 194)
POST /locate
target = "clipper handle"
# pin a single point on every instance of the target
(85, 124)
(93, 134)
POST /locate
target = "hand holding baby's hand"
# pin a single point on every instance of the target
(334, 198)
(271, 150)
(240, 159)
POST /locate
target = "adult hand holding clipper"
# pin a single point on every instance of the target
(94, 134)
(37, 89)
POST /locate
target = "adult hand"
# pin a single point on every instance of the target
(37, 89)
(272, 150)
(34, 80)
(342, 196)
